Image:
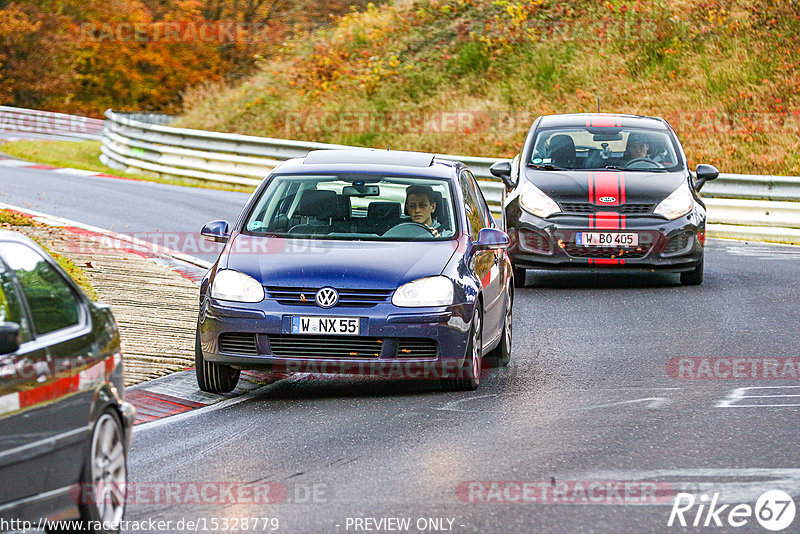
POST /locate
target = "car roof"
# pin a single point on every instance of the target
(16, 237)
(371, 161)
(10, 235)
(600, 120)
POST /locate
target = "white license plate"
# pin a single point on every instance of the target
(341, 326)
(606, 239)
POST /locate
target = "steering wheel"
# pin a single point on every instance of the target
(417, 230)
(631, 163)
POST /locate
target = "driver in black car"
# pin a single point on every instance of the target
(420, 206)
(637, 147)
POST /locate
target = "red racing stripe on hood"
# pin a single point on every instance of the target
(607, 185)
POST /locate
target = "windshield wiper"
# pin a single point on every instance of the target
(618, 168)
(548, 167)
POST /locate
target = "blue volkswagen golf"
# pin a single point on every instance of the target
(358, 262)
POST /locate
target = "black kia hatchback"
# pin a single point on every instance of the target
(604, 192)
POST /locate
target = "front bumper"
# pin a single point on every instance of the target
(550, 243)
(392, 331)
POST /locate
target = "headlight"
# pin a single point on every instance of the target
(431, 291)
(233, 285)
(534, 201)
(679, 202)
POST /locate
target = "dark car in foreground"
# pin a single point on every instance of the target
(602, 191)
(64, 426)
(358, 261)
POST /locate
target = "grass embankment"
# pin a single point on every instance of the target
(86, 155)
(10, 220)
(726, 74)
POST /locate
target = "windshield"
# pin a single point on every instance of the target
(634, 149)
(354, 207)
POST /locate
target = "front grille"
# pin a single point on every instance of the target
(304, 296)
(677, 244)
(636, 208)
(296, 346)
(416, 348)
(238, 343)
(577, 207)
(585, 207)
(579, 251)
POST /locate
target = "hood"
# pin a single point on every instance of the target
(625, 187)
(351, 264)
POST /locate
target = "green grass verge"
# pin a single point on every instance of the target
(86, 155)
(10, 220)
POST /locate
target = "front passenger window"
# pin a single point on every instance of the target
(52, 302)
(474, 217)
(11, 310)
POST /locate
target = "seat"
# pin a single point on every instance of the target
(344, 214)
(441, 213)
(562, 151)
(381, 216)
(318, 207)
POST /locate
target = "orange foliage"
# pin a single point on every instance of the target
(85, 56)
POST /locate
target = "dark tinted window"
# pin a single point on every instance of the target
(483, 207)
(52, 302)
(474, 215)
(11, 310)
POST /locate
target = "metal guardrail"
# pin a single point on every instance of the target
(132, 142)
(25, 122)
(749, 186)
(139, 146)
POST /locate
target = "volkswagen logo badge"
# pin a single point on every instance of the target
(327, 297)
(607, 199)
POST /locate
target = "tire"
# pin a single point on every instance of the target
(520, 274)
(213, 377)
(501, 354)
(101, 493)
(468, 376)
(693, 277)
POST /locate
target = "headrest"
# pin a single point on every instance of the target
(345, 207)
(562, 150)
(316, 203)
(383, 210)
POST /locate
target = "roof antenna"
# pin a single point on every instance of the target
(598, 104)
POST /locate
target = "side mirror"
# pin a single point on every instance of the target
(490, 239)
(704, 174)
(216, 231)
(9, 338)
(502, 169)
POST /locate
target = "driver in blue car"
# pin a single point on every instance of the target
(421, 205)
